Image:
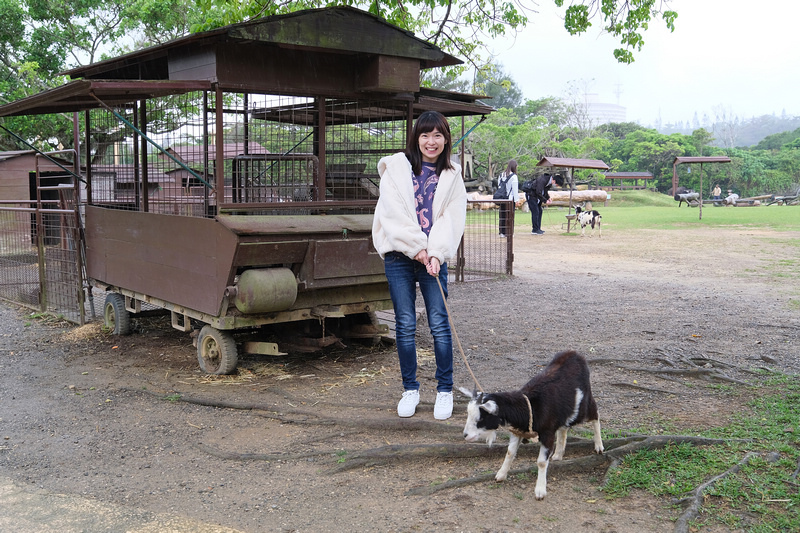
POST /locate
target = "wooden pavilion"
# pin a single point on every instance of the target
(634, 178)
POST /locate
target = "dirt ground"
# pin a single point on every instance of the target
(131, 423)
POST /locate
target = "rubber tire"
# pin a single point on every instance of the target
(115, 317)
(216, 351)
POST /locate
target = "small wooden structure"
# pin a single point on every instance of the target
(633, 177)
(572, 164)
(18, 174)
(701, 160)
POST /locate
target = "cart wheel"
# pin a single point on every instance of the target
(216, 351)
(115, 316)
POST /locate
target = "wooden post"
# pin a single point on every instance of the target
(701, 191)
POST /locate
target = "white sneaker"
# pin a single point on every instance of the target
(443, 409)
(407, 405)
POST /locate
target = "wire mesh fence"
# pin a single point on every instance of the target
(487, 248)
(39, 263)
(281, 154)
(19, 255)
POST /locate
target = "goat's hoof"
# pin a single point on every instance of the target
(540, 496)
(499, 478)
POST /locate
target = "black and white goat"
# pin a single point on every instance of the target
(545, 408)
(589, 218)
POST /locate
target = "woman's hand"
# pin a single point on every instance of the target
(433, 266)
(422, 257)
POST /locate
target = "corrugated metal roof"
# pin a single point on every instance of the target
(78, 95)
(572, 163)
(11, 154)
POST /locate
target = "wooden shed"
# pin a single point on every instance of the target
(18, 174)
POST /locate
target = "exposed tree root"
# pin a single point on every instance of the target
(315, 417)
(696, 498)
(268, 457)
(680, 365)
(640, 387)
(616, 449)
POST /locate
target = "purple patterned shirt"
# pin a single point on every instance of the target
(424, 188)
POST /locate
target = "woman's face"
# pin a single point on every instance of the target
(431, 144)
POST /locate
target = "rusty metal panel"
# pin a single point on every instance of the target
(258, 254)
(346, 259)
(183, 260)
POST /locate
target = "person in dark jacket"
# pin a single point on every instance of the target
(539, 197)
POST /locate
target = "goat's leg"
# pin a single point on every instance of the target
(598, 441)
(511, 453)
(561, 443)
(541, 480)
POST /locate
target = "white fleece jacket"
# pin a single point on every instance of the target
(395, 227)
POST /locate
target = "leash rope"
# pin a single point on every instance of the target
(530, 434)
(458, 342)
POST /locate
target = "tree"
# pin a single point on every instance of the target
(494, 82)
(648, 150)
(550, 108)
(700, 139)
(41, 38)
(726, 126)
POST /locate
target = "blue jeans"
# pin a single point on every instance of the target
(403, 275)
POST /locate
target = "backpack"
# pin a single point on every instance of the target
(502, 192)
(527, 187)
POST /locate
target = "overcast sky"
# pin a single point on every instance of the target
(732, 55)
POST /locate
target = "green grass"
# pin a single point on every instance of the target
(632, 210)
(763, 496)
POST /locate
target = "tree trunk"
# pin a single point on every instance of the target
(561, 198)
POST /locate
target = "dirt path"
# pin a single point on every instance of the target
(121, 423)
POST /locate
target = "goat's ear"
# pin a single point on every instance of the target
(468, 393)
(490, 407)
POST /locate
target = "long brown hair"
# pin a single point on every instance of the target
(427, 122)
(512, 167)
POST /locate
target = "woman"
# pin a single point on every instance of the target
(510, 175)
(418, 225)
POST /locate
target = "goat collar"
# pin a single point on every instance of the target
(530, 434)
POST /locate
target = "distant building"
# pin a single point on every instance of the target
(602, 113)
